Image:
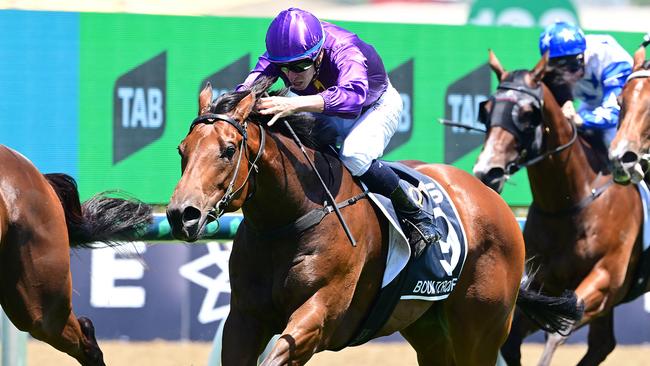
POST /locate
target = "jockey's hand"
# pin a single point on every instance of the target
(286, 106)
(570, 113)
(278, 106)
(578, 120)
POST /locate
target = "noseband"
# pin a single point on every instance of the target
(210, 118)
(522, 133)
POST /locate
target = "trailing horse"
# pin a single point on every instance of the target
(305, 281)
(582, 232)
(41, 218)
(629, 152)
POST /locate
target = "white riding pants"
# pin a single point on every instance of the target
(364, 139)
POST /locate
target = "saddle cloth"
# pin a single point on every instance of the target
(434, 274)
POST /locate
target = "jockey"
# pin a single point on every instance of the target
(337, 75)
(596, 67)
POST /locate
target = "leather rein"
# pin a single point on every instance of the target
(299, 225)
(210, 118)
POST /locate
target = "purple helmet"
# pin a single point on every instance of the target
(293, 35)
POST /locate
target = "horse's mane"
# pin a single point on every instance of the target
(560, 89)
(313, 134)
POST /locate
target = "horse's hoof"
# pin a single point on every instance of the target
(94, 354)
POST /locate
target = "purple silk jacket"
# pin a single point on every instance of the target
(351, 75)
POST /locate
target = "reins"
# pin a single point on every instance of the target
(304, 222)
(513, 167)
(210, 118)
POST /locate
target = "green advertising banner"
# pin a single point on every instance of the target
(521, 13)
(140, 76)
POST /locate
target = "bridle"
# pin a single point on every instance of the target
(523, 133)
(639, 74)
(210, 118)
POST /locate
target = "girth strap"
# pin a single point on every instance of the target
(595, 193)
(312, 218)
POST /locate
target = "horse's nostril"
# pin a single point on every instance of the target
(630, 157)
(191, 214)
(494, 173)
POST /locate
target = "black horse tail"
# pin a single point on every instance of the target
(104, 219)
(551, 314)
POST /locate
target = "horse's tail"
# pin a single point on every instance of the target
(552, 314)
(101, 218)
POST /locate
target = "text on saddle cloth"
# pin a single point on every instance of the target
(433, 275)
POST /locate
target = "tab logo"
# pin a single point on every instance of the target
(139, 107)
(461, 105)
(226, 79)
(402, 79)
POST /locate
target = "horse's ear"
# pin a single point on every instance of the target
(537, 73)
(244, 108)
(639, 59)
(495, 65)
(205, 99)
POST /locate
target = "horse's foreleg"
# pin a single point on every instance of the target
(300, 339)
(553, 341)
(521, 328)
(244, 338)
(601, 341)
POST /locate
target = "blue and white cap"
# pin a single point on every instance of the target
(562, 39)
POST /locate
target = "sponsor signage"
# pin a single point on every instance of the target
(521, 13)
(139, 107)
(229, 77)
(461, 106)
(122, 100)
(178, 291)
(402, 79)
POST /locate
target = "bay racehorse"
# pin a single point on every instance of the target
(582, 231)
(310, 285)
(41, 218)
(629, 152)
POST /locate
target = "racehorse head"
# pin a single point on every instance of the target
(214, 163)
(513, 120)
(629, 152)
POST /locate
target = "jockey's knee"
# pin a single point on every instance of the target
(356, 163)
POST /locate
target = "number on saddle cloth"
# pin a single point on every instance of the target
(432, 276)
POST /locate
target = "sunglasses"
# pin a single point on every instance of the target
(569, 63)
(297, 66)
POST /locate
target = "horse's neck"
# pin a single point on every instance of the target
(562, 179)
(286, 186)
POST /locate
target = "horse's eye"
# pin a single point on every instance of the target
(180, 152)
(229, 152)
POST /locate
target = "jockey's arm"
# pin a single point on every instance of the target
(346, 99)
(606, 114)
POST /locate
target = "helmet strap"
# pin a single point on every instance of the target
(317, 62)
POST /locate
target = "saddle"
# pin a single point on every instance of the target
(430, 277)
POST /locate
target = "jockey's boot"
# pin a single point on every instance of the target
(419, 225)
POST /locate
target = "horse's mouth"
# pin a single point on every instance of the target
(188, 227)
(495, 178)
(196, 230)
(626, 173)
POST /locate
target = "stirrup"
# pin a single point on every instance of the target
(428, 240)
